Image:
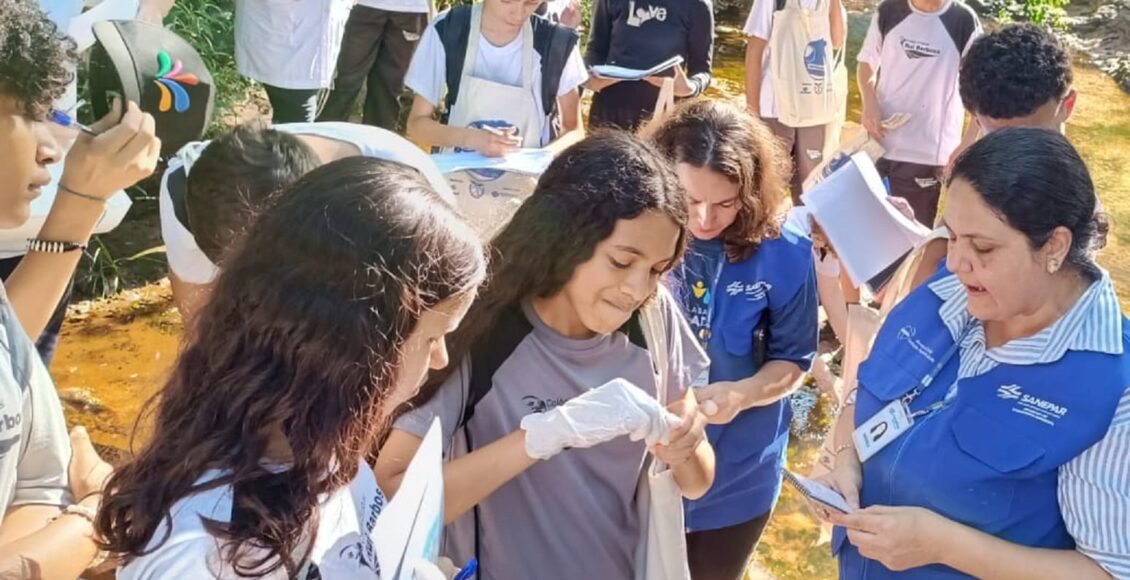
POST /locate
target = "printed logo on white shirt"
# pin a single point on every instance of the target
(637, 16)
(1039, 409)
(916, 49)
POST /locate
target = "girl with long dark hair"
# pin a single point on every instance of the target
(748, 288)
(551, 369)
(326, 318)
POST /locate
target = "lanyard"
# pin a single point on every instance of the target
(706, 331)
(927, 381)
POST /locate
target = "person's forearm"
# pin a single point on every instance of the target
(566, 139)
(867, 81)
(839, 439)
(696, 475)
(838, 24)
(429, 132)
(835, 306)
(597, 84)
(753, 61)
(773, 382)
(37, 555)
(984, 556)
(572, 127)
(38, 283)
(470, 479)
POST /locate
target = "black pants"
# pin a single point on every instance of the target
(921, 185)
(724, 554)
(292, 105)
(47, 342)
(376, 50)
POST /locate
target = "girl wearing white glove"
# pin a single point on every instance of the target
(543, 468)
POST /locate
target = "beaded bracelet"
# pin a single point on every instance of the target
(52, 247)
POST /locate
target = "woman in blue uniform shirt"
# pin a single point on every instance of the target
(1013, 368)
(742, 271)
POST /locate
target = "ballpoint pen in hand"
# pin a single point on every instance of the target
(65, 120)
(468, 571)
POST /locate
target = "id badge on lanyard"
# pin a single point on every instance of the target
(896, 418)
(707, 329)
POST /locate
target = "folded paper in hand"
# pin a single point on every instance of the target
(818, 492)
(525, 161)
(869, 234)
(408, 531)
(611, 71)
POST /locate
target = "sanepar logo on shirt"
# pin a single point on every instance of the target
(1039, 409)
(637, 16)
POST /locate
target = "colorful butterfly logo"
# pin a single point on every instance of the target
(169, 80)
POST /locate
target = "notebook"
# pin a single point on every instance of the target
(818, 492)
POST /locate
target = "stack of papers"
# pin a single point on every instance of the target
(408, 531)
(869, 234)
(610, 71)
(525, 161)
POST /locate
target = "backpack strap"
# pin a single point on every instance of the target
(454, 32)
(509, 331)
(177, 185)
(554, 43)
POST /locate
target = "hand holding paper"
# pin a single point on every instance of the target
(607, 412)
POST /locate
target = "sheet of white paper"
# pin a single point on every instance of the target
(525, 161)
(81, 26)
(868, 233)
(819, 492)
(611, 71)
(410, 527)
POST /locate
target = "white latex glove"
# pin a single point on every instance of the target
(612, 410)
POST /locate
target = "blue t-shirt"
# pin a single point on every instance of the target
(724, 303)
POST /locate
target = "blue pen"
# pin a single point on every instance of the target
(65, 120)
(468, 571)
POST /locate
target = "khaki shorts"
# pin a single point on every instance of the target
(805, 146)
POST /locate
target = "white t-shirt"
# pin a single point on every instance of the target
(189, 262)
(760, 25)
(291, 44)
(409, 6)
(427, 75)
(343, 546)
(34, 447)
(918, 62)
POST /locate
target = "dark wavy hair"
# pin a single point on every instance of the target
(36, 59)
(303, 333)
(607, 177)
(726, 139)
(1036, 181)
(236, 173)
(1013, 71)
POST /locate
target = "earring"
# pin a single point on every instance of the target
(1053, 266)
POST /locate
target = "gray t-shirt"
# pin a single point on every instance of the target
(34, 447)
(573, 516)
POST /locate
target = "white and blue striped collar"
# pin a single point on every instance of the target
(1094, 323)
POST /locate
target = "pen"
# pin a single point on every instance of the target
(468, 571)
(65, 120)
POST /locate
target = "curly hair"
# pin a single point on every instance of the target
(36, 59)
(304, 333)
(1013, 71)
(726, 139)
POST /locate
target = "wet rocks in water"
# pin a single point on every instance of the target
(81, 399)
